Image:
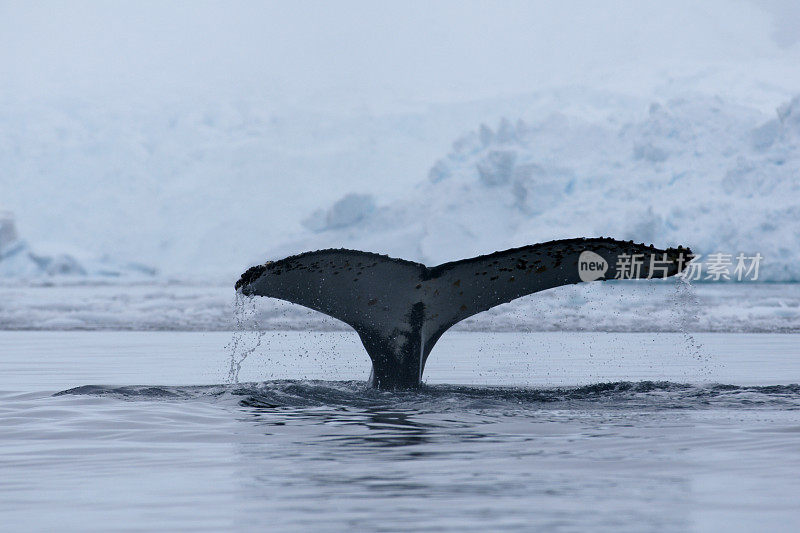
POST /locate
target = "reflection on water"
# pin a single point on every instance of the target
(661, 452)
(623, 456)
(351, 414)
(350, 396)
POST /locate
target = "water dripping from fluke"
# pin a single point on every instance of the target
(246, 326)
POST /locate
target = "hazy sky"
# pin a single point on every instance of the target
(428, 50)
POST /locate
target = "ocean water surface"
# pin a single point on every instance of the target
(135, 431)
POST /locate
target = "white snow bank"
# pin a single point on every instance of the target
(624, 306)
(20, 260)
(697, 171)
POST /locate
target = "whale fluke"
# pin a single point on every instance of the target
(401, 308)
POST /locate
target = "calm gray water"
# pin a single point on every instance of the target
(126, 431)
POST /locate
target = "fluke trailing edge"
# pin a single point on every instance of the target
(400, 308)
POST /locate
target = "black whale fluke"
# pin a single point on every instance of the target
(401, 308)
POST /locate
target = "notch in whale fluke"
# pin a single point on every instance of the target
(400, 308)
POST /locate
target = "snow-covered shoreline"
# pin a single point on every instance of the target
(622, 307)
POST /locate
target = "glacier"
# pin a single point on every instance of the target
(699, 171)
(21, 261)
(201, 157)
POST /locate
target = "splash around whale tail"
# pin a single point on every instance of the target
(400, 308)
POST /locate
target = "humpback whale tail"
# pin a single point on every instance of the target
(401, 308)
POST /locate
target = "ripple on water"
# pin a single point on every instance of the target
(448, 398)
